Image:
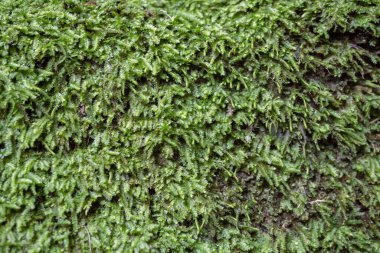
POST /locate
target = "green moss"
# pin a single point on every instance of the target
(189, 126)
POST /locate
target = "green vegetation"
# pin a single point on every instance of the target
(189, 126)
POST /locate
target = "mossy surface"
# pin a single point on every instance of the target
(189, 126)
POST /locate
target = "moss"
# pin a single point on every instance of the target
(189, 126)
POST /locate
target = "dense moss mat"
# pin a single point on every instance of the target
(190, 126)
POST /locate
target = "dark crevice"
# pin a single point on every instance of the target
(94, 207)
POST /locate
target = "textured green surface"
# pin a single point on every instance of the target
(189, 126)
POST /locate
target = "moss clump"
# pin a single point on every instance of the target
(189, 126)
